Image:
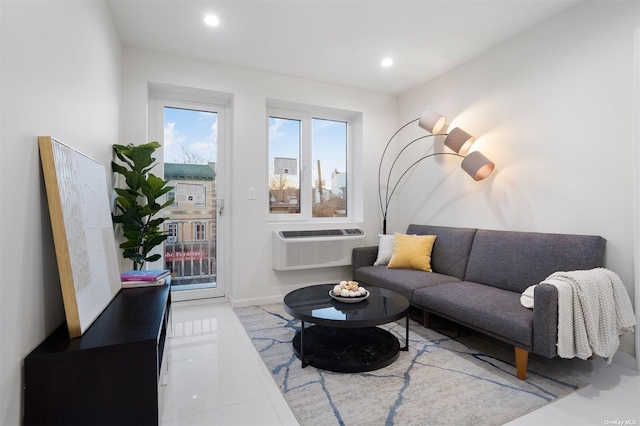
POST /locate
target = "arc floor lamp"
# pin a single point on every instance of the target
(475, 164)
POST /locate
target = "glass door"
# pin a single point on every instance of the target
(192, 135)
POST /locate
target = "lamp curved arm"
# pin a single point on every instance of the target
(388, 199)
(386, 196)
(382, 158)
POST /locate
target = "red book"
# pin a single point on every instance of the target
(144, 275)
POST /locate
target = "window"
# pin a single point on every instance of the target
(311, 153)
(191, 194)
(199, 231)
(172, 232)
(284, 176)
(172, 195)
(329, 168)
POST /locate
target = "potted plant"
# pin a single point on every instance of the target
(138, 203)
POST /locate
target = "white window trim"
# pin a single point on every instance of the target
(305, 167)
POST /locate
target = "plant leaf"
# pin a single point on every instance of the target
(153, 258)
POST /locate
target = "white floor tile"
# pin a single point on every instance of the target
(246, 341)
(263, 373)
(258, 412)
(282, 408)
(614, 376)
(212, 381)
(206, 336)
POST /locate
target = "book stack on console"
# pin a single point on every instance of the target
(144, 278)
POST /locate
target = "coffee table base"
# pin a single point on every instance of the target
(346, 350)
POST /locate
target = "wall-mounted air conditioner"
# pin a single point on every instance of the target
(314, 249)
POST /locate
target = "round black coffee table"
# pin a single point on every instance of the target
(345, 337)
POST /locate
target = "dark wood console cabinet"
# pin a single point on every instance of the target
(112, 375)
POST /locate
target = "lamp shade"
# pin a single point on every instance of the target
(477, 165)
(459, 141)
(431, 121)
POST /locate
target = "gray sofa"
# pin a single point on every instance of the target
(478, 277)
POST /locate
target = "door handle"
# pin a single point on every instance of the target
(220, 203)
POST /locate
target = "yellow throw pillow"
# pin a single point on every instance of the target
(412, 252)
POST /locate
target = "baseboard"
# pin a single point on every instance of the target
(626, 360)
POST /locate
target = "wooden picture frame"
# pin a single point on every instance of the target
(83, 235)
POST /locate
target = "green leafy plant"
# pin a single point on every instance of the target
(137, 204)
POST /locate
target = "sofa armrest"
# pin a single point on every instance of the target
(363, 256)
(545, 320)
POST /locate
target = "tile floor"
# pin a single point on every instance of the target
(216, 377)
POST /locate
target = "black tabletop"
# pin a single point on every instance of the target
(135, 315)
(313, 304)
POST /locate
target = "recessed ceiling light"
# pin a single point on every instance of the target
(387, 62)
(212, 20)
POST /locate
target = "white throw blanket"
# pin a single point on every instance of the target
(594, 309)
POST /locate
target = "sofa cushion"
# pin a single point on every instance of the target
(490, 310)
(516, 260)
(412, 252)
(403, 281)
(450, 251)
(385, 249)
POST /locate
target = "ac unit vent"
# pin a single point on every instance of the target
(321, 233)
(314, 248)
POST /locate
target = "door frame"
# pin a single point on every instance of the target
(194, 100)
(636, 137)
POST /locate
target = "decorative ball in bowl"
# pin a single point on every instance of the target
(349, 292)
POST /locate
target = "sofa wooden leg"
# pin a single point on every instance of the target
(522, 357)
(425, 318)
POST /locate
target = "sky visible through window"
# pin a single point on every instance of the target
(329, 145)
(190, 136)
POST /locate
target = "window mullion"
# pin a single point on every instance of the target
(306, 171)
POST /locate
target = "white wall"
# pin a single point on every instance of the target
(250, 277)
(553, 109)
(60, 77)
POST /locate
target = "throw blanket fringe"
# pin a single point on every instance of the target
(594, 309)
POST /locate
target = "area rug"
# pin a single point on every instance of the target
(449, 376)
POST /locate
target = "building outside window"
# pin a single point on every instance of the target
(190, 253)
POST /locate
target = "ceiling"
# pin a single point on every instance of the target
(341, 42)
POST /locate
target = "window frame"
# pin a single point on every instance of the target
(306, 116)
(199, 231)
(167, 95)
(172, 232)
